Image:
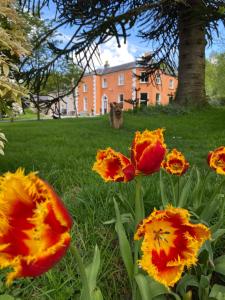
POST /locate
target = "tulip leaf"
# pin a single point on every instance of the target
(173, 191)
(97, 294)
(93, 269)
(182, 201)
(157, 289)
(218, 292)
(152, 290)
(220, 219)
(163, 190)
(125, 218)
(220, 264)
(212, 207)
(186, 281)
(144, 286)
(196, 191)
(124, 244)
(175, 296)
(204, 282)
(217, 234)
(208, 248)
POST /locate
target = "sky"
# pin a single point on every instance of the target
(133, 48)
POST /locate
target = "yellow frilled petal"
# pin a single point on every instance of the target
(150, 137)
(170, 243)
(168, 277)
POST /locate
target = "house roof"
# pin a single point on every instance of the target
(107, 70)
(123, 67)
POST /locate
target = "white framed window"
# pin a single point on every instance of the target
(85, 102)
(121, 79)
(158, 99)
(120, 98)
(158, 79)
(144, 77)
(171, 84)
(104, 83)
(143, 99)
(85, 88)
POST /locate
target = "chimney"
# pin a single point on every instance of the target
(147, 54)
(106, 65)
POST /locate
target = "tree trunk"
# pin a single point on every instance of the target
(192, 43)
(38, 106)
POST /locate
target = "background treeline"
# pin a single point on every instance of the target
(215, 78)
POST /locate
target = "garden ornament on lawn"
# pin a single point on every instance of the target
(116, 115)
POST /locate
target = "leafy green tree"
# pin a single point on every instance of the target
(13, 46)
(61, 81)
(45, 73)
(40, 56)
(215, 77)
(62, 76)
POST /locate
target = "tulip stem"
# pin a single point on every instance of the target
(203, 187)
(85, 286)
(139, 205)
(178, 190)
(139, 216)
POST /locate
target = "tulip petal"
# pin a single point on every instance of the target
(151, 159)
(32, 266)
(35, 231)
(148, 151)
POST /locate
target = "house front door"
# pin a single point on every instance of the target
(104, 105)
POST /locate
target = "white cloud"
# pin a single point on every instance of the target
(114, 55)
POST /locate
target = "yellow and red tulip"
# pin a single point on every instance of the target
(170, 243)
(113, 166)
(35, 225)
(148, 151)
(175, 163)
(216, 160)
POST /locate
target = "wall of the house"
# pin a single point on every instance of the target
(89, 95)
(152, 88)
(96, 91)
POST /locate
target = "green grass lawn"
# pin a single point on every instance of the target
(63, 151)
(28, 115)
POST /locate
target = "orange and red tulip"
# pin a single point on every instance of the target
(216, 160)
(35, 225)
(175, 163)
(113, 166)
